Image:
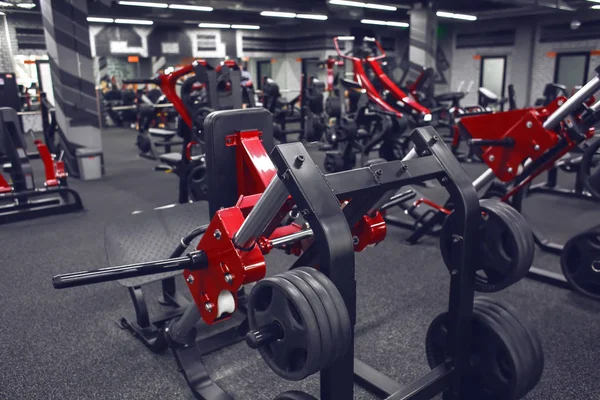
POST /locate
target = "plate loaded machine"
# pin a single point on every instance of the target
(302, 321)
(372, 123)
(518, 146)
(58, 143)
(20, 199)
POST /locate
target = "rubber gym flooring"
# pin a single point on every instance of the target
(66, 344)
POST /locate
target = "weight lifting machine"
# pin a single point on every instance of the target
(518, 146)
(248, 208)
(20, 199)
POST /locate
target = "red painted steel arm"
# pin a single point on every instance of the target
(361, 77)
(49, 166)
(394, 89)
(4, 186)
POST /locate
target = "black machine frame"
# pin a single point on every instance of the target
(318, 197)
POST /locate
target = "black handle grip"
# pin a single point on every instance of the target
(135, 80)
(194, 260)
(506, 142)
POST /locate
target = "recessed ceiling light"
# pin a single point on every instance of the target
(26, 5)
(312, 16)
(252, 27)
(189, 7)
(100, 19)
(279, 14)
(345, 38)
(214, 25)
(374, 6)
(133, 21)
(464, 17)
(385, 23)
(143, 4)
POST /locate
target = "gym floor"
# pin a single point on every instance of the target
(66, 344)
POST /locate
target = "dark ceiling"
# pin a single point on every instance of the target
(248, 11)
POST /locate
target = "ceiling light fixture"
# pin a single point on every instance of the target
(143, 4)
(385, 23)
(5, 4)
(1, 13)
(464, 17)
(189, 7)
(214, 25)
(363, 5)
(317, 17)
(345, 38)
(251, 27)
(596, 7)
(101, 20)
(279, 14)
(133, 21)
(594, 1)
(28, 6)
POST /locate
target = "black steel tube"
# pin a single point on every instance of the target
(196, 259)
(180, 329)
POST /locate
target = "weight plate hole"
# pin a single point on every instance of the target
(263, 301)
(297, 359)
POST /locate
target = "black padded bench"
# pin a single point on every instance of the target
(173, 159)
(147, 236)
(167, 136)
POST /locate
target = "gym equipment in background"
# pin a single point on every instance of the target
(9, 91)
(284, 112)
(517, 147)
(302, 321)
(20, 199)
(58, 143)
(360, 133)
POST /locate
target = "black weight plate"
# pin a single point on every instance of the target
(392, 149)
(532, 352)
(333, 107)
(294, 395)
(436, 341)
(321, 315)
(495, 362)
(347, 328)
(589, 169)
(521, 230)
(143, 143)
(197, 183)
(200, 116)
(332, 315)
(580, 263)
(296, 355)
(516, 341)
(506, 246)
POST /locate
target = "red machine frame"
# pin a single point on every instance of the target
(388, 84)
(255, 171)
(360, 76)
